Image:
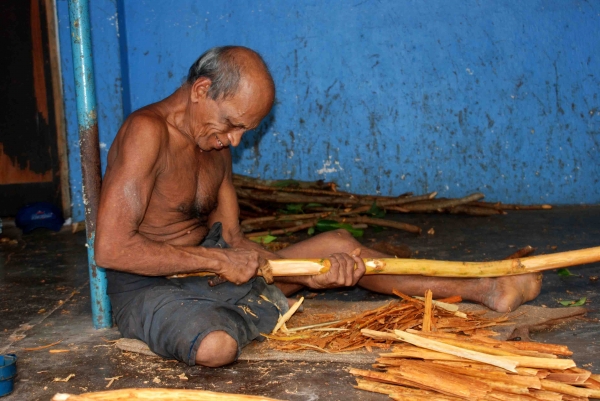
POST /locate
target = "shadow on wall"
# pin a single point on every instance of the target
(249, 147)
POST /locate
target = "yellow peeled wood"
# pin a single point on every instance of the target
(440, 268)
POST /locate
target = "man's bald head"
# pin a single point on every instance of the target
(226, 66)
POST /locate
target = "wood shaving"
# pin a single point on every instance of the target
(403, 314)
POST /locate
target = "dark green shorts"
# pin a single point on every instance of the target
(173, 316)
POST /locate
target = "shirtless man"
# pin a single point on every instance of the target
(168, 205)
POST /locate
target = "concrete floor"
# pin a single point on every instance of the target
(44, 298)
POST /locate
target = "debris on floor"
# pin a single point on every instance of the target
(447, 366)
(345, 335)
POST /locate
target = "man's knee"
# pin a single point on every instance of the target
(341, 239)
(216, 349)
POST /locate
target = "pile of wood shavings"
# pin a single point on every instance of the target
(449, 366)
(408, 313)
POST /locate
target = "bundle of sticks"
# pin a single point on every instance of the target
(274, 207)
(408, 313)
(434, 364)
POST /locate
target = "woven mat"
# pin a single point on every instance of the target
(522, 321)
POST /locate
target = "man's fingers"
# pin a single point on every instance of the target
(355, 252)
(349, 270)
(360, 269)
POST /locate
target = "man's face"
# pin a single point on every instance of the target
(224, 121)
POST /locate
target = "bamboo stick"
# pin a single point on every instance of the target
(447, 268)
(474, 210)
(506, 206)
(433, 205)
(379, 222)
(162, 394)
(432, 268)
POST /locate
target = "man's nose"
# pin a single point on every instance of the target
(235, 137)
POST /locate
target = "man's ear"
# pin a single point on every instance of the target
(200, 89)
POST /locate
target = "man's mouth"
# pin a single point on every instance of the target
(219, 142)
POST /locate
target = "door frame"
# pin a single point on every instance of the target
(59, 108)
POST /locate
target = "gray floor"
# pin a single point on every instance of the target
(44, 298)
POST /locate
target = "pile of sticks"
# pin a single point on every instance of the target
(275, 207)
(432, 364)
(409, 313)
(446, 366)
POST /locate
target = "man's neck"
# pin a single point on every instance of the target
(175, 107)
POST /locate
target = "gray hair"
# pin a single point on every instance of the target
(220, 65)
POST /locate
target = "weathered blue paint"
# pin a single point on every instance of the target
(83, 70)
(400, 95)
(101, 308)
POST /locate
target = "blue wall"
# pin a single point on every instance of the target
(387, 96)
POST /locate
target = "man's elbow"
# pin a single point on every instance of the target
(104, 252)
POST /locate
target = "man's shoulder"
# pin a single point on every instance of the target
(146, 120)
(144, 126)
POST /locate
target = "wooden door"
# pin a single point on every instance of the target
(29, 165)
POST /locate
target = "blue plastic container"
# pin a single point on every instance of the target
(8, 371)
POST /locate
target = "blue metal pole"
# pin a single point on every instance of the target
(85, 91)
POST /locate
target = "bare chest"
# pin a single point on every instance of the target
(187, 189)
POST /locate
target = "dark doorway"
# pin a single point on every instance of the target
(29, 163)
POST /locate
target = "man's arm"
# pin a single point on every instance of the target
(345, 269)
(134, 165)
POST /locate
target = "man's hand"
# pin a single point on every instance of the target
(239, 265)
(346, 270)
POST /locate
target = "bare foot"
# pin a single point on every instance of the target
(506, 294)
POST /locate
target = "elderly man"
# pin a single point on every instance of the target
(168, 206)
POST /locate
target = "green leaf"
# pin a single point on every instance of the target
(286, 184)
(311, 205)
(329, 225)
(292, 208)
(376, 211)
(565, 273)
(311, 231)
(263, 239)
(579, 302)
(377, 229)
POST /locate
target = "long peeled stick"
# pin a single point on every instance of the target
(439, 268)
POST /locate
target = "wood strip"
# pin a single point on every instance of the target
(495, 344)
(399, 391)
(521, 381)
(545, 395)
(287, 315)
(551, 385)
(426, 326)
(501, 362)
(573, 377)
(459, 386)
